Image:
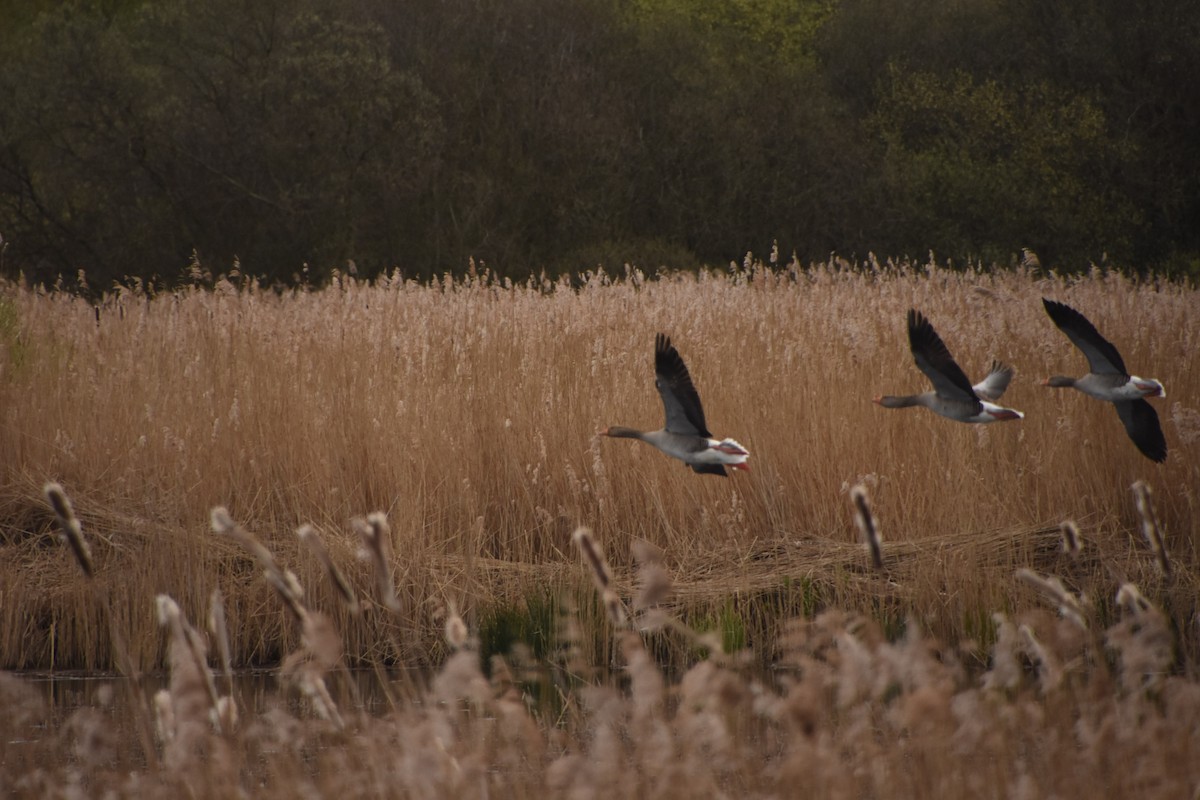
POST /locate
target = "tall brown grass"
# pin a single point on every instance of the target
(467, 410)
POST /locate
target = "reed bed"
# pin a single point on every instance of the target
(1066, 709)
(465, 411)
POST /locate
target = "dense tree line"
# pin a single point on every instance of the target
(302, 135)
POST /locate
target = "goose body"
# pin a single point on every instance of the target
(953, 396)
(1110, 381)
(685, 435)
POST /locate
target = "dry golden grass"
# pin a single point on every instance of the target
(467, 411)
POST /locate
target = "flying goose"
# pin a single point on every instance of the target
(953, 395)
(685, 435)
(1109, 380)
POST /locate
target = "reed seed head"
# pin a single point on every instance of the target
(168, 610)
(1151, 530)
(614, 607)
(288, 588)
(1072, 545)
(653, 582)
(376, 536)
(1070, 606)
(866, 524)
(1132, 601)
(72, 531)
(1048, 668)
(220, 631)
(164, 716)
(308, 534)
(456, 631)
(594, 556)
(221, 521)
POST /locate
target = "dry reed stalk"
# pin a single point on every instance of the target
(320, 644)
(1049, 670)
(72, 531)
(308, 535)
(188, 642)
(614, 607)
(594, 557)
(601, 575)
(866, 524)
(320, 651)
(283, 581)
(1070, 606)
(1151, 530)
(376, 536)
(220, 631)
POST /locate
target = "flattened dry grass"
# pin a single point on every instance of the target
(467, 411)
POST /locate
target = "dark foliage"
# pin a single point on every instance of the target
(294, 137)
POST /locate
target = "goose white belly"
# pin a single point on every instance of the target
(726, 451)
(698, 450)
(1102, 387)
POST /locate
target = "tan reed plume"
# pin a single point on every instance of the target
(1048, 669)
(455, 629)
(189, 640)
(284, 582)
(320, 651)
(1133, 601)
(594, 557)
(1151, 530)
(72, 531)
(220, 631)
(164, 716)
(307, 534)
(601, 574)
(1069, 605)
(1072, 544)
(614, 606)
(866, 524)
(377, 541)
(653, 582)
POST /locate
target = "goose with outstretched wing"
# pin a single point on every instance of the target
(1109, 380)
(953, 396)
(685, 435)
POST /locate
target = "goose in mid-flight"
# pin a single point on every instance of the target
(685, 435)
(1109, 380)
(953, 396)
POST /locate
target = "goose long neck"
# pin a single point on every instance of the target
(901, 401)
(1060, 382)
(621, 432)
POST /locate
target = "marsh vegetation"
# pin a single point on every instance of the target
(455, 423)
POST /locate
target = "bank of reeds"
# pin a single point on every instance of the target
(1067, 708)
(466, 411)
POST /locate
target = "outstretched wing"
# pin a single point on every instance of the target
(681, 403)
(1141, 423)
(1102, 356)
(932, 357)
(996, 382)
